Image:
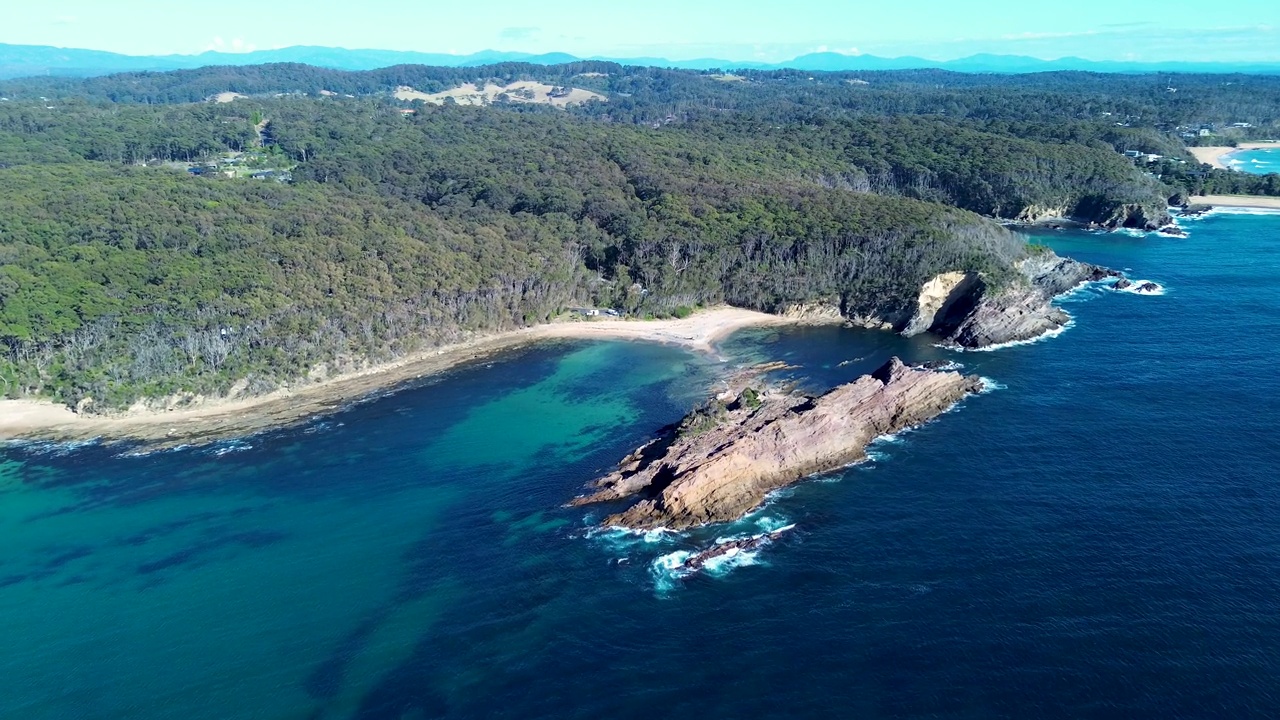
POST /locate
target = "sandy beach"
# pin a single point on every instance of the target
(1240, 201)
(1212, 156)
(220, 418)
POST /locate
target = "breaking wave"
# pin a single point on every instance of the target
(1133, 288)
(50, 448)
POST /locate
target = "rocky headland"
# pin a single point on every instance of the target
(976, 315)
(1102, 214)
(721, 461)
(971, 311)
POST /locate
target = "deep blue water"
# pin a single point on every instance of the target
(1259, 162)
(1098, 539)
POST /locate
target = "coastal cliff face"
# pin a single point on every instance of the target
(965, 310)
(938, 298)
(1102, 213)
(1112, 215)
(723, 460)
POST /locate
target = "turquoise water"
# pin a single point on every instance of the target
(1095, 539)
(1258, 162)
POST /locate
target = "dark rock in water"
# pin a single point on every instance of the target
(724, 458)
(1148, 288)
(699, 560)
(935, 365)
(1173, 230)
(1121, 284)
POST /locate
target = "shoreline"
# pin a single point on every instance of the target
(221, 418)
(1212, 156)
(1256, 202)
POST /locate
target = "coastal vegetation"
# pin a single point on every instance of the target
(124, 276)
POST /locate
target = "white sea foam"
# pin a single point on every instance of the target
(322, 426)
(989, 385)
(619, 535)
(722, 565)
(873, 456)
(1135, 284)
(778, 524)
(667, 571)
(225, 448)
(1015, 343)
(1132, 232)
(670, 568)
(672, 562)
(51, 448)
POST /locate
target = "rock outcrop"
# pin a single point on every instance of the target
(1042, 213)
(937, 298)
(822, 311)
(723, 459)
(725, 549)
(977, 315)
(1100, 212)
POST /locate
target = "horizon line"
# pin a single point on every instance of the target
(624, 57)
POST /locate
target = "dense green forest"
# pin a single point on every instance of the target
(123, 276)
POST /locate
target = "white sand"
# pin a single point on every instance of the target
(1241, 201)
(218, 418)
(1212, 156)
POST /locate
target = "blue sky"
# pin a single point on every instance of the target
(1149, 30)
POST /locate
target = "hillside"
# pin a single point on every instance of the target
(133, 267)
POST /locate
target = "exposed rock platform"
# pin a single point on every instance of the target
(722, 460)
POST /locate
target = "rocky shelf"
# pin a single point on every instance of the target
(721, 461)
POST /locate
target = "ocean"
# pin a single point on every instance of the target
(1096, 537)
(1258, 162)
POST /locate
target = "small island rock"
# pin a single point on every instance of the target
(722, 460)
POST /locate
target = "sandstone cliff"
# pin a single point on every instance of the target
(965, 310)
(722, 460)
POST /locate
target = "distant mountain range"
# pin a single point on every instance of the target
(31, 60)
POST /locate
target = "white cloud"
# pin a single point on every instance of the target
(237, 45)
(1047, 35)
(827, 48)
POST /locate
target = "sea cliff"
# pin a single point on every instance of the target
(724, 458)
(971, 311)
(977, 315)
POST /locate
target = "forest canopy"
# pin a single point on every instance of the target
(132, 268)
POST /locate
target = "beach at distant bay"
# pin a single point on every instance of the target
(1256, 202)
(217, 418)
(1212, 156)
